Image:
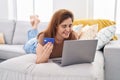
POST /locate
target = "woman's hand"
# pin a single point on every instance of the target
(43, 52)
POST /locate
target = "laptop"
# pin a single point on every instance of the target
(77, 51)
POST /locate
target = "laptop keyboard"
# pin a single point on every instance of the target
(57, 60)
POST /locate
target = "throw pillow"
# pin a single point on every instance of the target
(88, 32)
(102, 23)
(2, 41)
(77, 28)
(105, 35)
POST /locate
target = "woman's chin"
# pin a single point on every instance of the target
(66, 37)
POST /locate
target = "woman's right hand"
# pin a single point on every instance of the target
(43, 52)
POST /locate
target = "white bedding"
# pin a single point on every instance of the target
(24, 68)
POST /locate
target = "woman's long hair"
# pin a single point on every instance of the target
(58, 17)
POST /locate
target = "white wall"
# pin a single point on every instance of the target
(12, 9)
(90, 8)
(3, 9)
(80, 8)
(103, 10)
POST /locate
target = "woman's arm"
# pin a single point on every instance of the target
(43, 51)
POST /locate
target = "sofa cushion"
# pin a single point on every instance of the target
(10, 51)
(102, 23)
(42, 26)
(22, 27)
(88, 32)
(105, 35)
(7, 28)
(20, 34)
(28, 70)
(77, 28)
(2, 41)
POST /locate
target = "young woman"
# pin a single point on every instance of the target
(59, 28)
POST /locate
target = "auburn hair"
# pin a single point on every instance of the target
(57, 18)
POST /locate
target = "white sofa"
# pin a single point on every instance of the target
(15, 34)
(19, 66)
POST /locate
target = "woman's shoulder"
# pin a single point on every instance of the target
(40, 37)
(41, 34)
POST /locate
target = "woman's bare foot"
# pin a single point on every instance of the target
(34, 20)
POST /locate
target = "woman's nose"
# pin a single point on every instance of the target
(68, 28)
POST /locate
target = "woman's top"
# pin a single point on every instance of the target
(57, 47)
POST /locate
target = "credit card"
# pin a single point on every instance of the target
(46, 40)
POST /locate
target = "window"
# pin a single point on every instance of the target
(108, 9)
(104, 9)
(24, 9)
(43, 8)
(118, 16)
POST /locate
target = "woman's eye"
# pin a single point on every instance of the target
(64, 26)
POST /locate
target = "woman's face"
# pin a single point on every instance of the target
(64, 29)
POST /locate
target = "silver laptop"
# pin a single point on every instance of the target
(77, 51)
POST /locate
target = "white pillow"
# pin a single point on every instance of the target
(88, 32)
(105, 35)
(2, 41)
(77, 28)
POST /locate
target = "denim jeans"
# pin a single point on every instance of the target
(30, 45)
